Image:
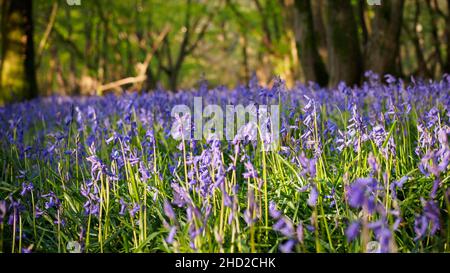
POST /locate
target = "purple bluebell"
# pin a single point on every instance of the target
(26, 187)
(15, 209)
(300, 233)
(3, 210)
(274, 213)
(251, 213)
(373, 163)
(352, 231)
(397, 185)
(287, 246)
(26, 250)
(432, 214)
(382, 233)
(52, 200)
(332, 197)
(168, 210)
(171, 235)
(362, 194)
(308, 165)
(135, 208)
(250, 171)
(38, 212)
(180, 196)
(285, 226)
(90, 191)
(313, 196)
(385, 237)
(144, 171)
(123, 206)
(60, 222)
(420, 226)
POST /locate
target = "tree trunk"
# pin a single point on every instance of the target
(18, 77)
(307, 46)
(319, 27)
(414, 35)
(344, 53)
(173, 78)
(362, 21)
(382, 49)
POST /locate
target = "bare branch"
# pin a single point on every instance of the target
(117, 84)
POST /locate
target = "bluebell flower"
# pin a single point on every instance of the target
(313, 196)
(429, 219)
(3, 210)
(52, 201)
(251, 213)
(250, 171)
(168, 210)
(26, 250)
(397, 185)
(285, 226)
(362, 194)
(352, 231)
(136, 207)
(373, 163)
(287, 246)
(38, 212)
(123, 207)
(26, 188)
(171, 236)
(274, 213)
(300, 233)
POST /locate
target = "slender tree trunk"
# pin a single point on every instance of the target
(438, 62)
(382, 49)
(422, 67)
(307, 48)
(18, 77)
(344, 53)
(362, 21)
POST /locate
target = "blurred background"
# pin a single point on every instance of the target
(85, 47)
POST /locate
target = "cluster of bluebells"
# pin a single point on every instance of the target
(359, 150)
(285, 226)
(365, 194)
(90, 191)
